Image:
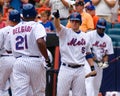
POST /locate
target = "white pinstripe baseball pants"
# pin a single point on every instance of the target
(29, 72)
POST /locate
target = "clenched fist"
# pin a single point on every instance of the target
(56, 14)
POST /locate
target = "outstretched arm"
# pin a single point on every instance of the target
(57, 20)
(110, 3)
(65, 3)
(95, 2)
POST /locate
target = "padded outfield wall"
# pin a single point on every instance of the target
(111, 75)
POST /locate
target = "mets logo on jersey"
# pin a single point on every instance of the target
(75, 42)
(98, 44)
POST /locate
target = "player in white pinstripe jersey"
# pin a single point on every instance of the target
(28, 46)
(6, 59)
(101, 47)
(74, 47)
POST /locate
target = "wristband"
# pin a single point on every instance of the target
(89, 56)
(92, 68)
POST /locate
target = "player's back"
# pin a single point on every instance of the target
(24, 36)
(3, 34)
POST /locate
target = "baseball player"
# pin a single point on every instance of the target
(101, 47)
(28, 46)
(74, 46)
(6, 59)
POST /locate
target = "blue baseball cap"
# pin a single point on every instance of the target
(29, 11)
(101, 23)
(14, 16)
(90, 7)
(75, 16)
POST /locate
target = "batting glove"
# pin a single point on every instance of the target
(48, 64)
(56, 14)
(105, 65)
(100, 64)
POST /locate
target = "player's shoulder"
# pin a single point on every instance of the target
(7, 28)
(84, 35)
(92, 32)
(107, 37)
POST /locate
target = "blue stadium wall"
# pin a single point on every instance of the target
(111, 75)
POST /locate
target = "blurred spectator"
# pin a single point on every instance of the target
(2, 23)
(38, 18)
(91, 10)
(62, 6)
(114, 11)
(16, 4)
(119, 12)
(10, 8)
(103, 8)
(87, 21)
(87, 1)
(32, 2)
(1, 5)
(71, 9)
(49, 27)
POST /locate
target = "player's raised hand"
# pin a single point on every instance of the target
(56, 14)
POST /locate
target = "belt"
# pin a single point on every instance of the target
(29, 56)
(63, 18)
(72, 66)
(5, 55)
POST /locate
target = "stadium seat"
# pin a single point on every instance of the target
(114, 31)
(116, 25)
(115, 39)
(108, 26)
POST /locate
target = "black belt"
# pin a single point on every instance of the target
(72, 66)
(63, 18)
(29, 56)
(5, 55)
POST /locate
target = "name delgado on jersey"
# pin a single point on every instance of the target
(22, 29)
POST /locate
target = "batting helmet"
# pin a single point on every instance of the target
(75, 16)
(29, 11)
(14, 16)
(101, 23)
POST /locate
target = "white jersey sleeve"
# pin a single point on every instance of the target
(110, 46)
(3, 37)
(39, 31)
(7, 44)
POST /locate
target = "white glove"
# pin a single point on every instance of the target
(100, 64)
(47, 64)
(105, 65)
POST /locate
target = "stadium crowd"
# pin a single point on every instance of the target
(90, 11)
